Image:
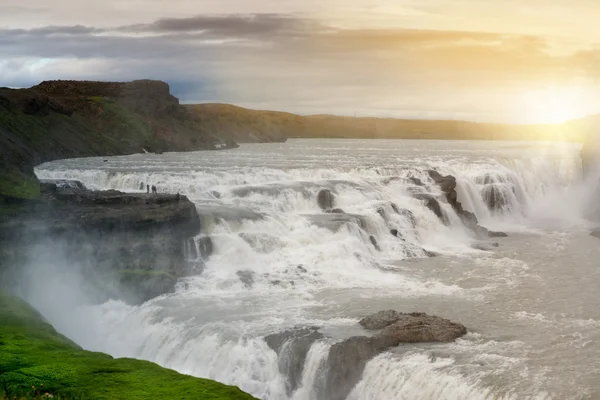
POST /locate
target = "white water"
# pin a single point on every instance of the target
(258, 203)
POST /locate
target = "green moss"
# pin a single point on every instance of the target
(119, 122)
(33, 354)
(16, 184)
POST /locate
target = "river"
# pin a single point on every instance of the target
(529, 300)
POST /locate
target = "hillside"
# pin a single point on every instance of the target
(63, 119)
(244, 125)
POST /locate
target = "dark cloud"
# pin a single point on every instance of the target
(255, 25)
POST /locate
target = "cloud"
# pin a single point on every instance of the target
(298, 64)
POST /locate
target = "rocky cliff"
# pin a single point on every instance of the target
(127, 246)
(63, 119)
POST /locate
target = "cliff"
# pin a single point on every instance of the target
(63, 119)
(127, 246)
(35, 359)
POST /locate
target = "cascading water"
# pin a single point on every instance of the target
(275, 261)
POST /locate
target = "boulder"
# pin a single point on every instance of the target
(420, 327)
(335, 211)
(325, 199)
(246, 277)
(380, 319)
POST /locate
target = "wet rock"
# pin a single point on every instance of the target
(325, 199)
(334, 222)
(292, 348)
(301, 269)
(395, 232)
(432, 204)
(430, 254)
(380, 319)
(446, 183)
(346, 362)
(335, 211)
(494, 198)
(246, 277)
(191, 248)
(215, 194)
(416, 181)
(276, 282)
(374, 243)
(413, 327)
(420, 327)
(497, 234)
(407, 214)
(205, 245)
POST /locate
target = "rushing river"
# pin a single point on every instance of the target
(531, 304)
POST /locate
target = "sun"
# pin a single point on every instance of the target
(553, 105)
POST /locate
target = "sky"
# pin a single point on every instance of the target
(521, 61)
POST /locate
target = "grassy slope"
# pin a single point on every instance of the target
(244, 125)
(32, 353)
(25, 140)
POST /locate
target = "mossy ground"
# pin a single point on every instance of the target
(17, 185)
(34, 355)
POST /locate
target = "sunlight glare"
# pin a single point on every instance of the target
(553, 105)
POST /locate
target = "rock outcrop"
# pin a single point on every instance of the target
(348, 358)
(133, 241)
(292, 348)
(325, 199)
(448, 186)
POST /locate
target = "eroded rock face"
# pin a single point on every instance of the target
(135, 241)
(346, 363)
(448, 186)
(432, 204)
(292, 348)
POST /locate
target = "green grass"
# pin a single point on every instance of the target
(34, 358)
(16, 184)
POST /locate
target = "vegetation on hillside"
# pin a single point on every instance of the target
(35, 360)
